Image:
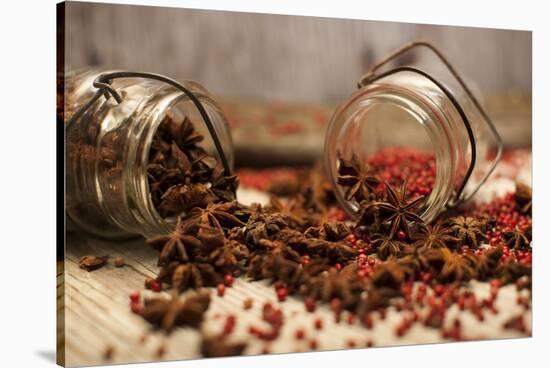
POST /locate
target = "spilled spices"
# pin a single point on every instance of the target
(304, 246)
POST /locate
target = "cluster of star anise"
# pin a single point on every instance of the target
(294, 242)
(182, 175)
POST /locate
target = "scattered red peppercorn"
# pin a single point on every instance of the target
(282, 294)
(318, 324)
(135, 297)
(228, 280)
(299, 334)
(248, 303)
(221, 289)
(309, 304)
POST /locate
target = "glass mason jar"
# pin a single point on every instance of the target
(107, 145)
(406, 107)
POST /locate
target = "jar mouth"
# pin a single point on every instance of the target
(168, 101)
(354, 123)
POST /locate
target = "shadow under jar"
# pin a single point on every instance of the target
(404, 127)
(107, 150)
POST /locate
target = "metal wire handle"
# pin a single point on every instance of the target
(371, 77)
(104, 88)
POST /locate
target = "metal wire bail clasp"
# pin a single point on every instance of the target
(104, 88)
(372, 75)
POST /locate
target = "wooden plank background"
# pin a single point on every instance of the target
(276, 56)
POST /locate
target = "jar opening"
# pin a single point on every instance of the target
(399, 137)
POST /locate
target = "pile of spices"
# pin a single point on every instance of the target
(303, 245)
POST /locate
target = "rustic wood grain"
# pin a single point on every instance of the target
(278, 57)
(95, 309)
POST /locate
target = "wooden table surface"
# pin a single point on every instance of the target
(94, 312)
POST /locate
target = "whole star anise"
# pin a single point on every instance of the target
(178, 245)
(452, 266)
(219, 215)
(397, 210)
(168, 313)
(518, 238)
(331, 284)
(433, 236)
(523, 198)
(331, 231)
(487, 262)
(468, 230)
(189, 275)
(386, 245)
(358, 178)
(391, 274)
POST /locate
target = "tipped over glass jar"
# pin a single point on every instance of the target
(129, 139)
(406, 125)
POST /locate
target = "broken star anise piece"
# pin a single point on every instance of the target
(433, 236)
(178, 245)
(387, 246)
(168, 313)
(468, 230)
(357, 178)
(487, 262)
(91, 263)
(518, 238)
(523, 198)
(397, 210)
(218, 346)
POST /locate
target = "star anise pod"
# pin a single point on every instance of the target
(387, 246)
(168, 313)
(433, 236)
(180, 160)
(227, 258)
(316, 193)
(375, 299)
(397, 210)
(180, 198)
(358, 178)
(487, 262)
(468, 230)
(452, 266)
(331, 231)
(335, 252)
(523, 198)
(219, 215)
(294, 215)
(224, 187)
(178, 245)
(391, 274)
(518, 238)
(219, 346)
(189, 275)
(344, 285)
(185, 135)
(509, 272)
(415, 258)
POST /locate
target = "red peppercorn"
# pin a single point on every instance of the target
(228, 280)
(135, 297)
(135, 307)
(299, 334)
(351, 344)
(313, 344)
(318, 324)
(401, 236)
(309, 304)
(282, 294)
(155, 286)
(221, 289)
